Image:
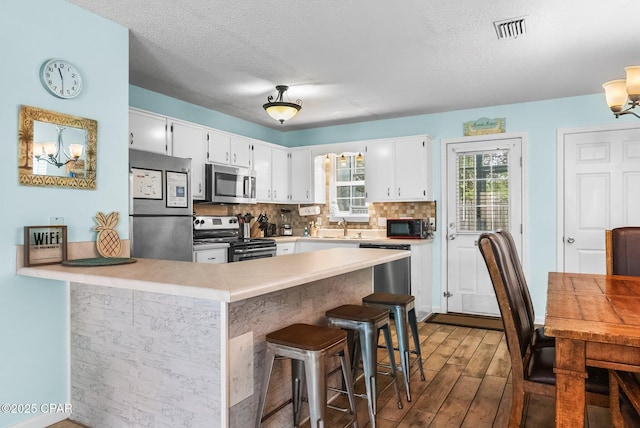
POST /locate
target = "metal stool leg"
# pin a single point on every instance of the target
(266, 377)
(297, 386)
(413, 322)
(400, 317)
(392, 362)
(369, 345)
(345, 362)
(317, 389)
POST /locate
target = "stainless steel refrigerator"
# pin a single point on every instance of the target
(160, 210)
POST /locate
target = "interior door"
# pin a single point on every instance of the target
(601, 182)
(484, 193)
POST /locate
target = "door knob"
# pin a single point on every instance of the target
(570, 240)
(452, 237)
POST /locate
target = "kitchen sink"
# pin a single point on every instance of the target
(350, 237)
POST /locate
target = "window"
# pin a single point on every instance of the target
(347, 188)
(483, 191)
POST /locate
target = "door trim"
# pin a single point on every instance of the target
(444, 143)
(561, 133)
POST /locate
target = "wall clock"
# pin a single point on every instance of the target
(61, 78)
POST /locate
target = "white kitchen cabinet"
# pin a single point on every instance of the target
(301, 163)
(228, 149)
(279, 175)
(262, 169)
(148, 132)
(412, 169)
(305, 246)
(398, 170)
(379, 170)
(214, 256)
(284, 248)
(189, 141)
(240, 151)
(422, 278)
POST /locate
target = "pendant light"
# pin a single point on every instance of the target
(618, 92)
(279, 109)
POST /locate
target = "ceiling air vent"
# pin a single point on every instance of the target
(510, 28)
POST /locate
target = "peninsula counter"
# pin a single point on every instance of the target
(164, 343)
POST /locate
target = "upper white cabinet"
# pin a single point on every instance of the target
(398, 170)
(301, 163)
(280, 175)
(271, 166)
(228, 149)
(148, 132)
(188, 141)
(262, 169)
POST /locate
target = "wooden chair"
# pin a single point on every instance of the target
(531, 369)
(623, 258)
(539, 338)
(623, 251)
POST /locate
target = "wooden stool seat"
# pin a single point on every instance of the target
(388, 299)
(309, 348)
(306, 336)
(358, 313)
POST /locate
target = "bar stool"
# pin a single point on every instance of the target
(402, 308)
(308, 347)
(367, 322)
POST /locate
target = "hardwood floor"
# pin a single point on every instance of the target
(468, 384)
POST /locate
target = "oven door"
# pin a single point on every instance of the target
(244, 254)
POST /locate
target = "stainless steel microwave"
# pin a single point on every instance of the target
(410, 228)
(229, 185)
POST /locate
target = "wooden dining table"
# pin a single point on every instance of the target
(596, 322)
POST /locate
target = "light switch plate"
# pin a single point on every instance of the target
(382, 222)
(56, 221)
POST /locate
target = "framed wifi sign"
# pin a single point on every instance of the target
(45, 245)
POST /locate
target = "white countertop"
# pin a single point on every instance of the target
(224, 282)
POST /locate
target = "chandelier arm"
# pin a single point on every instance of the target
(627, 111)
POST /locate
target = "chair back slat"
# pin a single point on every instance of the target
(515, 260)
(513, 308)
(623, 250)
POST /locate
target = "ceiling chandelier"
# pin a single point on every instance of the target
(279, 109)
(619, 91)
(51, 151)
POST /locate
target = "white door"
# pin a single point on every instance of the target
(601, 182)
(484, 193)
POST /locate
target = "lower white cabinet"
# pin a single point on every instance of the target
(216, 256)
(283, 248)
(303, 246)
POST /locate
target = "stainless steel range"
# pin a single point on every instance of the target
(211, 231)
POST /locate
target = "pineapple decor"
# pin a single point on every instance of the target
(108, 242)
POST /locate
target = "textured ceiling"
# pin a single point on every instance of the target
(360, 60)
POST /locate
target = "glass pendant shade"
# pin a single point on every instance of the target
(616, 94)
(75, 150)
(280, 109)
(633, 82)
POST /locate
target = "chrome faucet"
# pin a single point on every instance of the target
(344, 224)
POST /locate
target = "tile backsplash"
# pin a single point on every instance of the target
(272, 211)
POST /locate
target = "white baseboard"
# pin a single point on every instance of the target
(42, 420)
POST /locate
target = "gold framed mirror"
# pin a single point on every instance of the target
(56, 149)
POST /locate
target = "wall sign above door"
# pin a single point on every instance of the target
(484, 126)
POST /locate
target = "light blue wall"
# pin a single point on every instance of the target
(33, 313)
